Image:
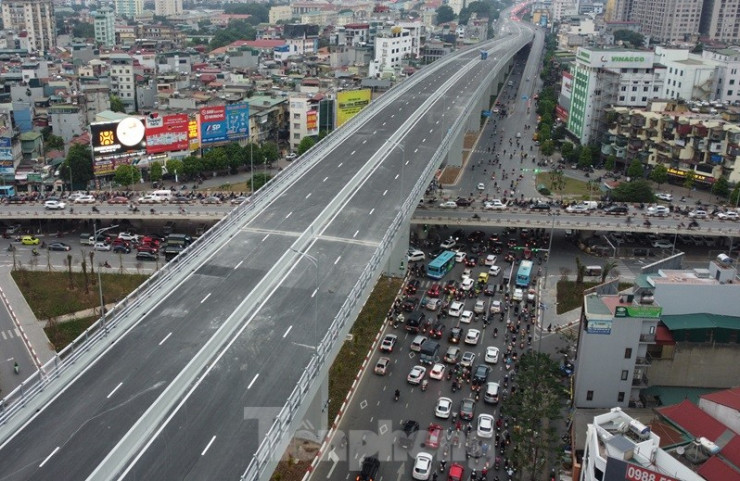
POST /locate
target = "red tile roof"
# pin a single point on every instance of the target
(728, 397)
(693, 420)
(663, 335)
(731, 451)
(715, 469)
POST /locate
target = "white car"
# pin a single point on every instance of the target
(466, 317)
(291, 156)
(444, 408)
(455, 309)
(494, 271)
(450, 204)
(491, 356)
(422, 466)
(149, 199)
(495, 307)
(664, 196)
(85, 199)
(460, 256)
(490, 259)
(494, 204)
(698, 214)
(662, 244)
(472, 337)
(128, 236)
(577, 209)
(448, 244)
(415, 255)
(438, 371)
(101, 246)
(481, 186)
(658, 211)
(467, 284)
(416, 375)
(480, 306)
(518, 294)
(54, 205)
(389, 341)
(729, 215)
(468, 358)
(531, 295)
(485, 426)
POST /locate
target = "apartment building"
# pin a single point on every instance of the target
(687, 76)
(727, 76)
(122, 79)
(105, 27)
(129, 8)
(393, 47)
(167, 8)
(304, 119)
(668, 20)
(720, 20)
(35, 18)
(682, 137)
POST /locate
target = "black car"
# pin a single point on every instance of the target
(410, 303)
(180, 199)
(455, 334)
(437, 331)
(59, 246)
(489, 289)
(370, 466)
(146, 256)
(410, 431)
(467, 409)
(122, 248)
(480, 375)
(617, 210)
(476, 236)
(539, 206)
(415, 321)
(462, 202)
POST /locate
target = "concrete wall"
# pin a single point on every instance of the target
(726, 415)
(698, 365)
(690, 298)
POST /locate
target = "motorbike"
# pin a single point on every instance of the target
(16, 368)
(95, 209)
(397, 395)
(495, 332)
(35, 252)
(424, 385)
(106, 264)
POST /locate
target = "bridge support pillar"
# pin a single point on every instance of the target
(454, 156)
(315, 423)
(398, 260)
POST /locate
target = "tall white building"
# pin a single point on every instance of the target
(105, 27)
(36, 18)
(304, 120)
(687, 76)
(727, 78)
(122, 79)
(167, 8)
(129, 8)
(392, 47)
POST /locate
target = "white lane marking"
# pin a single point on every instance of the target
(383, 124)
(375, 132)
(289, 214)
(208, 445)
(432, 130)
(265, 238)
(407, 162)
(165, 338)
(239, 264)
(423, 140)
(254, 379)
(325, 179)
(393, 115)
(364, 141)
(114, 390)
(353, 152)
(340, 164)
(313, 294)
(356, 232)
(416, 150)
(371, 211)
(337, 261)
(287, 331)
(396, 177)
(204, 299)
(308, 195)
(385, 192)
(48, 457)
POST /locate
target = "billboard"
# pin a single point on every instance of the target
(224, 122)
(108, 165)
(117, 137)
(6, 152)
(618, 470)
(166, 133)
(312, 122)
(350, 103)
(194, 133)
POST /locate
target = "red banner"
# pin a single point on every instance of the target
(166, 134)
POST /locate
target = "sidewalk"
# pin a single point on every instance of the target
(32, 330)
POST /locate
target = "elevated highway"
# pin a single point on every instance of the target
(206, 371)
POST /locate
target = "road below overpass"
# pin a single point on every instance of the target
(187, 390)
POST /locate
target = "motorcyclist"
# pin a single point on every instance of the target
(398, 394)
(16, 367)
(35, 251)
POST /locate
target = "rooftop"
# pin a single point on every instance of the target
(728, 397)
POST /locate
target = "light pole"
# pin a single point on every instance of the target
(251, 168)
(315, 296)
(403, 167)
(100, 280)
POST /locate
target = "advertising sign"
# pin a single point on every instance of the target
(194, 133)
(618, 470)
(599, 327)
(237, 121)
(168, 133)
(312, 122)
(350, 103)
(212, 124)
(651, 312)
(561, 113)
(108, 165)
(118, 137)
(567, 85)
(6, 152)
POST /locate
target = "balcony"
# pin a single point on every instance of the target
(641, 381)
(649, 338)
(644, 361)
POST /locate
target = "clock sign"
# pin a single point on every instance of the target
(130, 131)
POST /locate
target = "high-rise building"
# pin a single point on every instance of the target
(129, 8)
(667, 20)
(105, 27)
(36, 18)
(727, 78)
(720, 20)
(167, 7)
(122, 79)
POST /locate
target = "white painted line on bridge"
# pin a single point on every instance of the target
(396, 177)
(423, 140)
(407, 162)
(289, 214)
(114, 390)
(416, 150)
(265, 238)
(337, 261)
(165, 338)
(48, 457)
(205, 450)
(352, 153)
(287, 331)
(253, 380)
(364, 141)
(371, 211)
(308, 195)
(340, 164)
(355, 234)
(237, 266)
(385, 192)
(204, 299)
(313, 294)
(325, 179)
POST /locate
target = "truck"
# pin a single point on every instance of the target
(175, 244)
(429, 352)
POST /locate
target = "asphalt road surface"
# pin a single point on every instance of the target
(217, 422)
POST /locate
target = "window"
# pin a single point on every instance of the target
(296, 116)
(625, 374)
(589, 395)
(620, 397)
(634, 89)
(652, 330)
(628, 353)
(729, 92)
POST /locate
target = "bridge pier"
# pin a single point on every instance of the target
(315, 424)
(398, 260)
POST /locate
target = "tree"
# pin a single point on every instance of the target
(83, 30)
(155, 172)
(690, 179)
(260, 179)
(636, 191)
(559, 132)
(547, 148)
(611, 162)
(445, 14)
(580, 270)
(116, 104)
(557, 181)
(635, 39)
(77, 167)
(635, 170)
(544, 132)
(566, 149)
(53, 142)
(259, 13)
(174, 167)
(270, 153)
(735, 195)
(306, 143)
(607, 269)
(721, 187)
(126, 175)
(584, 158)
(659, 175)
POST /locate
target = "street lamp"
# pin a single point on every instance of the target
(251, 168)
(315, 295)
(96, 232)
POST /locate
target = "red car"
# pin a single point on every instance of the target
(434, 290)
(456, 472)
(434, 433)
(150, 248)
(118, 200)
(149, 240)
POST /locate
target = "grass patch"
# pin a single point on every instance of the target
(570, 294)
(242, 187)
(52, 294)
(573, 187)
(449, 175)
(62, 333)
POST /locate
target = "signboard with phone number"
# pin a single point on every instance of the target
(618, 470)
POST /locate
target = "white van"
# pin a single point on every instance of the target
(163, 195)
(590, 204)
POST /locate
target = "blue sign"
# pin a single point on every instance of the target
(486, 113)
(716, 158)
(237, 121)
(5, 141)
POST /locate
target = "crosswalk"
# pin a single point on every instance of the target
(9, 334)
